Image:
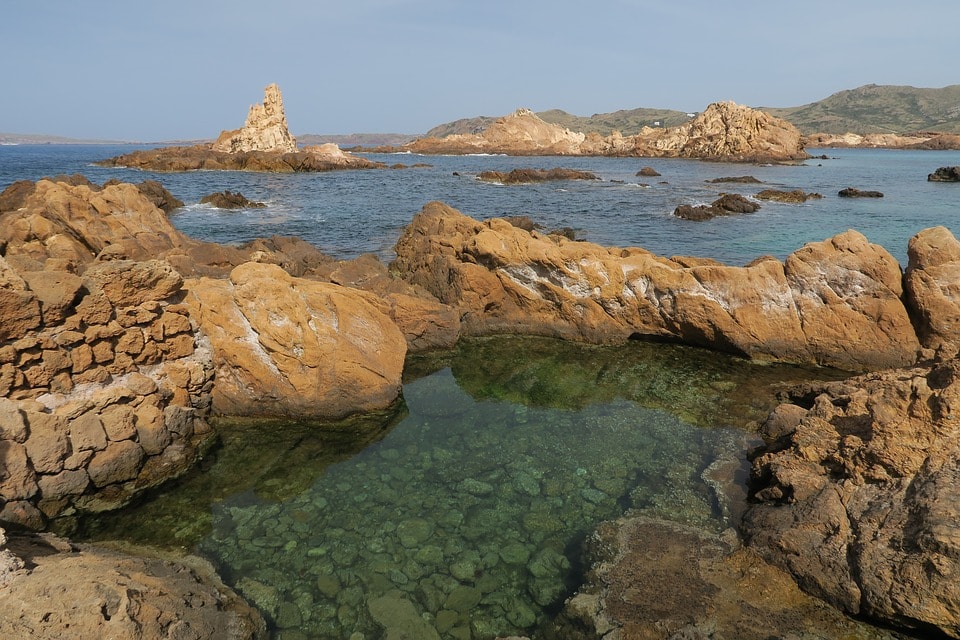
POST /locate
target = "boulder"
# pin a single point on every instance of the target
(19, 307)
(932, 283)
(527, 176)
(797, 196)
(648, 172)
(857, 493)
(89, 592)
(317, 349)
(725, 205)
(264, 130)
(835, 302)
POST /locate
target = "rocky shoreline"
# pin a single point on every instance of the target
(120, 337)
(112, 361)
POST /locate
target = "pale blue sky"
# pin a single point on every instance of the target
(148, 70)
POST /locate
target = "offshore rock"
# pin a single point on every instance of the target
(316, 349)
(724, 131)
(114, 595)
(853, 192)
(945, 174)
(264, 130)
(835, 302)
(856, 494)
(230, 200)
(655, 579)
(528, 176)
(725, 205)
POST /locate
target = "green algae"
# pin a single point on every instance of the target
(461, 513)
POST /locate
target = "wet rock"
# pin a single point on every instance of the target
(727, 204)
(230, 200)
(736, 180)
(527, 176)
(399, 619)
(851, 192)
(797, 196)
(648, 172)
(945, 174)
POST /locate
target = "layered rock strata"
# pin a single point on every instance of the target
(723, 131)
(836, 302)
(105, 388)
(264, 130)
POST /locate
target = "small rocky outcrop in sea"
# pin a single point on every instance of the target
(528, 176)
(502, 278)
(264, 130)
(230, 200)
(648, 172)
(725, 205)
(89, 592)
(735, 180)
(853, 192)
(945, 174)
(797, 196)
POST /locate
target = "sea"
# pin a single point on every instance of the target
(463, 513)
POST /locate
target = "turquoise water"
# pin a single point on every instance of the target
(470, 505)
(347, 213)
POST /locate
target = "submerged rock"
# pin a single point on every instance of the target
(526, 176)
(852, 192)
(797, 196)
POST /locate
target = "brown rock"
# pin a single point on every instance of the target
(118, 462)
(860, 501)
(230, 200)
(19, 307)
(945, 174)
(527, 176)
(315, 349)
(12, 425)
(87, 592)
(797, 196)
(648, 172)
(151, 431)
(17, 478)
(48, 443)
(118, 422)
(86, 433)
(835, 302)
(725, 205)
(57, 291)
(851, 192)
(127, 283)
(932, 283)
(69, 482)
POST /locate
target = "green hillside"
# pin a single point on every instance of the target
(627, 122)
(878, 109)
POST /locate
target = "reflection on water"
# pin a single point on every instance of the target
(462, 519)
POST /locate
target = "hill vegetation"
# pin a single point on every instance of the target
(878, 109)
(868, 109)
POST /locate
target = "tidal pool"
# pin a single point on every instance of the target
(461, 515)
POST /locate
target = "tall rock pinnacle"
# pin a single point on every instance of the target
(264, 130)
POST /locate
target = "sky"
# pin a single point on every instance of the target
(150, 70)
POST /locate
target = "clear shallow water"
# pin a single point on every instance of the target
(347, 213)
(471, 504)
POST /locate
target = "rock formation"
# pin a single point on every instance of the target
(836, 302)
(853, 192)
(932, 283)
(724, 131)
(932, 140)
(726, 205)
(230, 200)
(87, 592)
(528, 176)
(945, 174)
(286, 346)
(651, 578)
(264, 130)
(856, 495)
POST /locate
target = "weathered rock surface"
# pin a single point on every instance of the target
(834, 302)
(264, 130)
(654, 579)
(90, 592)
(931, 140)
(932, 283)
(316, 349)
(856, 495)
(945, 174)
(723, 131)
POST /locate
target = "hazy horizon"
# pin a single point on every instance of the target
(112, 70)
